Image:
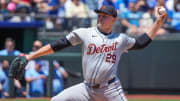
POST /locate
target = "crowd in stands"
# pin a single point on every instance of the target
(35, 78)
(135, 15)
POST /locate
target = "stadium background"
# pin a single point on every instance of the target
(154, 70)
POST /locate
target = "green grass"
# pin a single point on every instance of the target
(48, 100)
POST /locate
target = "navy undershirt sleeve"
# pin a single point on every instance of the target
(141, 42)
(60, 44)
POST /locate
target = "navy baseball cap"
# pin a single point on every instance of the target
(110, 10)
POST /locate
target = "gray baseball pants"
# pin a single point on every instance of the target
(81, 92)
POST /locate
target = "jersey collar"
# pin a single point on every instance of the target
(103, 32)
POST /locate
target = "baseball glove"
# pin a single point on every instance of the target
(17, 67)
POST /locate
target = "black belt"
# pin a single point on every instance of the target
(109, 82)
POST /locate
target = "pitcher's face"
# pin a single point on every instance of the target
(105, 20)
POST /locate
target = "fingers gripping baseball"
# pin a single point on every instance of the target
(161, 10)
(17, 67)
(161, 13)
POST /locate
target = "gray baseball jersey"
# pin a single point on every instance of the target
(100, 56)
(100, 53)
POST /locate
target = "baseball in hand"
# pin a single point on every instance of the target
(162, 10)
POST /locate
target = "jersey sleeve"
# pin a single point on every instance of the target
(76, 37)
(128, 42)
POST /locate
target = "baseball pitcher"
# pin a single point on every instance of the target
(101, 52)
